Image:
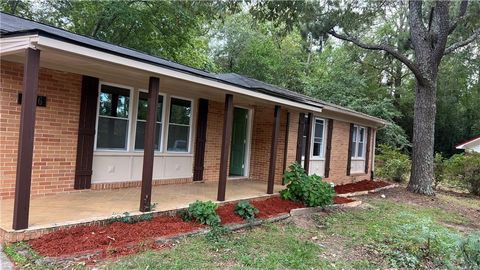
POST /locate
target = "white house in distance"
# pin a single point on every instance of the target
(470, 146)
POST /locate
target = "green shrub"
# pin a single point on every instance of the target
(246, 210)
(470, 249)
(464, 170)
(392, 164)
(310, 190)
(202, 212)
(439, 164)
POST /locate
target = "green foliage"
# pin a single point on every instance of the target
(392, 164)
(246, 210)
(308, 189)
(202, 212)
(439, 168)
(464, 171)
(470, 248)
(22, 254)
(127, 218)
(407, 236)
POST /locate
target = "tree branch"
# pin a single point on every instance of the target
(461, 13)
(387, 48)
(462, 43)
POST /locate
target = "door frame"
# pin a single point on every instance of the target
(248, 149)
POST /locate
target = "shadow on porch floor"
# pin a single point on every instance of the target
(52, 210)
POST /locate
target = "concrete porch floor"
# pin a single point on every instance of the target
(76, 207)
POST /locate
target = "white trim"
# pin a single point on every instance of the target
(190, 131)
(162, 122)
(312, 140)
(12, 45)
(129, 119)
(46, 42)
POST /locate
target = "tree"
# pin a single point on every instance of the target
(429, 32)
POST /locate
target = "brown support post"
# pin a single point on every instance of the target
(349, 158)
(273, 149)
(200, 140)
(285, 147)
(301, 129)
(86, 133)
(25, 142)
(308, 143)
(226, 140)
(328, 153)
(367, 150)
(149, 146)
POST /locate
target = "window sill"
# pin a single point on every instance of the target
(139, 154)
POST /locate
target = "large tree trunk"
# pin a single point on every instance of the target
(422, 174)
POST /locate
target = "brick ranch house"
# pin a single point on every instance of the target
(78, 114)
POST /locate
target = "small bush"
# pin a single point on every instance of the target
(202, 212)
(310, 190)
(464, 170)
(470, 249)
(246, 210)
(439, 165)
(392, 164)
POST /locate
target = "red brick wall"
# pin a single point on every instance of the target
(55, 130)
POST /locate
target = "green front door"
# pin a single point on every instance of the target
(239, 142)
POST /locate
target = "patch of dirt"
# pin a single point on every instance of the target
(363, 185)
(401, 195)
(118, 237)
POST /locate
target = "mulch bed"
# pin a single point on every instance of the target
(274, 206)
(364, 185)
(227, 214)
(109, 237)
(342, 200)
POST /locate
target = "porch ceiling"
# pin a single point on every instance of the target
(53, 210)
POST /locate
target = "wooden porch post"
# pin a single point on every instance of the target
(308, 143)
(285, 147)
(199, 161)
(301, 128)
(226, 140)
(273, 149)
(149, 145)
(328, 154)
(25, 141)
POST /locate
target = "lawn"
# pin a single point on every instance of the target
(397, 230)
(383, 233)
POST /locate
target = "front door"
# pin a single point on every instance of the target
(239, 142)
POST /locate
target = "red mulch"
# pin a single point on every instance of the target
(360, 186)
(227, 214)
(341, 200)
(274, 206)
(117, 235)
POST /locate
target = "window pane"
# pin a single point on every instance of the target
(362, 131)
(354, 137)
(178, 138)
(112, 133)
(140, 136)
(318, 129)
(143, 107)
(360, 149)
(180, 111)
(316, 149)
(353, 146)
(114, 101)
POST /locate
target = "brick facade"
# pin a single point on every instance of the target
(56, 137)
(55, 130)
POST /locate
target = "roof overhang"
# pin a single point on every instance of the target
(472, 142)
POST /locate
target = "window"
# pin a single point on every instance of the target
(179, 125)
(113, 117)
(318, 141)
(142, 119)
(358, 142)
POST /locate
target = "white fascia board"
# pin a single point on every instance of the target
(11, 45)
(46, 42)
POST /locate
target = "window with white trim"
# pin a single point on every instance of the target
(318, 138)
(113, 117)
(179, 125)
(358, 142)
(142, 111)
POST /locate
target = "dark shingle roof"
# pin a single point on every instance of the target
(12, 25)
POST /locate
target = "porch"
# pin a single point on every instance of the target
(90, 205)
